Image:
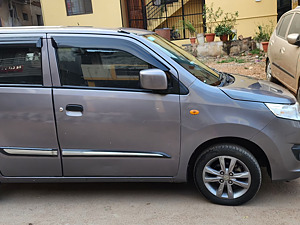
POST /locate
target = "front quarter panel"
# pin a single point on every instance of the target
(219, 116)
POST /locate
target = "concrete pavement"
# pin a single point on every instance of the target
(142, 203)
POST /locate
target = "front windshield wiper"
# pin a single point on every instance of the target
(223, 79)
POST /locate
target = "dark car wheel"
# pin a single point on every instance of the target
(227, 174)
(269, 72)
(298, 95)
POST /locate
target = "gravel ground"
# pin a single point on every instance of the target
(250, 65)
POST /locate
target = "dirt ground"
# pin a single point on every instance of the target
(142, 203)
(250, 65)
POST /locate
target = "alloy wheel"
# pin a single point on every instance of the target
(226, 177)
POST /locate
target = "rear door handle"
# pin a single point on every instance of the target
(74, 110)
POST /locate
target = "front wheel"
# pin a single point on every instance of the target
(227, 174)
(298, 95)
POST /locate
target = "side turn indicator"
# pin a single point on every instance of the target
(194, 112)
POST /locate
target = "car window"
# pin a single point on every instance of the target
(20, 65)
(186, 60)
(283, 26)
(295, 26)
(92, 67)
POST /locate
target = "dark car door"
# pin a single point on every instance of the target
(28, 141)
(107, 124)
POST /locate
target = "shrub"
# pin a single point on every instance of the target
(264, 32)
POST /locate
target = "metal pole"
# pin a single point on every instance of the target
(203, 19)
(166, 10)
(128, 13)
(182, 8)
(144, 14)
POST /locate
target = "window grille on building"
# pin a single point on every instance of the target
(77, 7)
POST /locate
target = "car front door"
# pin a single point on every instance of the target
(283, 65)
(27, 135)
(290, 61)
(108, 126)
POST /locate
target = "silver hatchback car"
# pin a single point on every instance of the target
(85, 104)
(283, 62)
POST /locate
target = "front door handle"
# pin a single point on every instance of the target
(74, 110)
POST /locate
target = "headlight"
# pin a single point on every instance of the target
(285, 111)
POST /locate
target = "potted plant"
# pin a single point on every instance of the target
(263, 35)
(174, 33)
(223, 31)
(192, 30)
(225, 26)
(211, 18)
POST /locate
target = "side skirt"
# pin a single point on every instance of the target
(83, 179)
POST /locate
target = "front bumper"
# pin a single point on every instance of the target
(277, 140)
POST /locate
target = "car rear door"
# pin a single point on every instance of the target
(109, 126)
(28, 141)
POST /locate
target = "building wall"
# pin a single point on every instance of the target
(251, 13)
(6, 20)
(109, 14)
(32, 12)
(105, 14)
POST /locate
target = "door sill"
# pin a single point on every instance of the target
(83, 179)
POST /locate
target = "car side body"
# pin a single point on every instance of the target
(284, 52)
(70, 130)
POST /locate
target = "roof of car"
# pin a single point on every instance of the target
(72, 30)
(297, 9)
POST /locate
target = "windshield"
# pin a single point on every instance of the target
(186, 60)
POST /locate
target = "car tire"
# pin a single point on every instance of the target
(298, 95)
(269, 75)
(234, 181)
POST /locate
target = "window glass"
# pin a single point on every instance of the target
(284, 25)
(295, 26)
(76, 7)
(186, 60)
(100, 68)
(20, 65)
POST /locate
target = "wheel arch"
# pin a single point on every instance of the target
(255, 150)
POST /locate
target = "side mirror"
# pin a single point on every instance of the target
(294, 39)
(153, 79)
